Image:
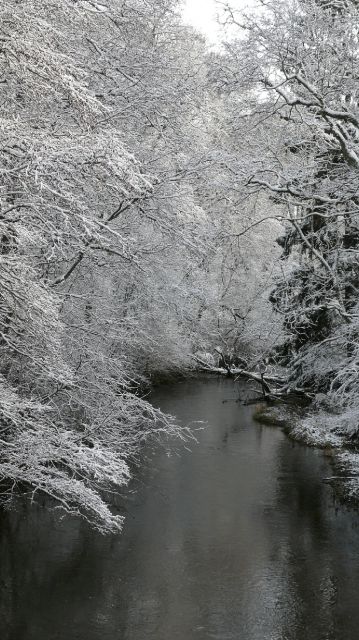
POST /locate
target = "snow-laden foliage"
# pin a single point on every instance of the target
(101, 238)
(296, 66)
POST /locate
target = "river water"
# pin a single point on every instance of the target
(237, 538)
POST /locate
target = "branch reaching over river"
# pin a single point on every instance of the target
(281, 390)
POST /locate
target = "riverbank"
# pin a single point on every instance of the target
(335, 434)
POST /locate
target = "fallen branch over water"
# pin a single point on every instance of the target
(280, 392)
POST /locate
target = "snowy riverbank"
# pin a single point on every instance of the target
(335, 434)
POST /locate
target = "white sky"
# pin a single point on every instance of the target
(202, 15)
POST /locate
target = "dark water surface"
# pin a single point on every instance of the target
(238, 539)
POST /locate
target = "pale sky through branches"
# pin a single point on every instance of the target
(202, 15)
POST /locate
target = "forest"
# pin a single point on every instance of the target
(168, 206)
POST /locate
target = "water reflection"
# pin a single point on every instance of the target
(237, 539)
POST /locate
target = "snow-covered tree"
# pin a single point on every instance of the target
(101, 237)
(297, 65)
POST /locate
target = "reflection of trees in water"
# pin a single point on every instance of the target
(59, 579)
(50, 574)
(320, 546)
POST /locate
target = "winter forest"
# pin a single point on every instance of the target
(167, 206)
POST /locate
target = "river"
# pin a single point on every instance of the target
(235, 537)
